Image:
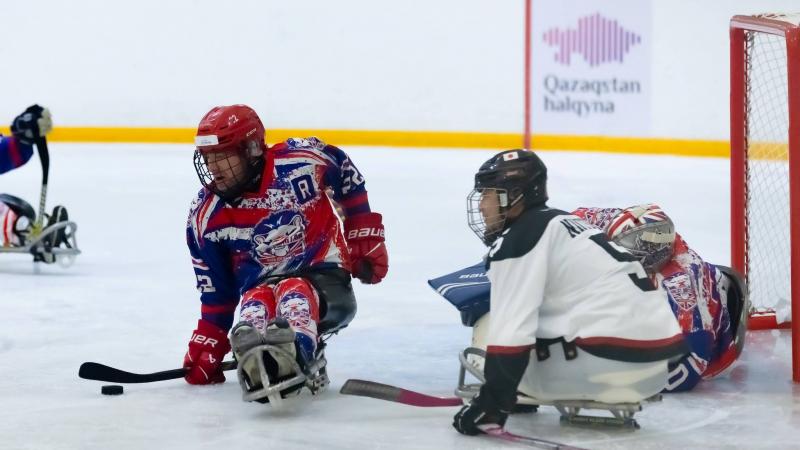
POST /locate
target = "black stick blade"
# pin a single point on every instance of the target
(101, 372)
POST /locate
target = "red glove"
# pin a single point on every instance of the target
(365, 237)
(208, 346)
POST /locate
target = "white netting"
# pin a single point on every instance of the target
(768, 237)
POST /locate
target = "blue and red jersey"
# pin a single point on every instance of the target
(287, 226)
(13, 153)
(699, 301)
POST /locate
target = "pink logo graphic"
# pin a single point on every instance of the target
(598, 39)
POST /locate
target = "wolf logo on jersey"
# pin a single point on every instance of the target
(680, 288)
(279, 237)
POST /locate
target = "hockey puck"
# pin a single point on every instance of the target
(111, 389)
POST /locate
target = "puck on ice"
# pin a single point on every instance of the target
(111, 389)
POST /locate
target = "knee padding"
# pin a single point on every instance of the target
(297, 301)
(19, 206)
(262, 294)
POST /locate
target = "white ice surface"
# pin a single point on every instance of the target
(129, 301)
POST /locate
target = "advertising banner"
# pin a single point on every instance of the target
(590, 67)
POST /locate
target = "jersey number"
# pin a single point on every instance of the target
(204, 284)
(642, 283)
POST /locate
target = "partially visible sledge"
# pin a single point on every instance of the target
(48, 237)
(468, 290)
(54, 242)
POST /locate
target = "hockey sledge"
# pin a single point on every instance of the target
(274, 380)
(468, 290)
(54, 242)
(273, 389)
(570, 410)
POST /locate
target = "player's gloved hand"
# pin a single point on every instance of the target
(207, 348)
(365, 237)
(477, 416)
(34, 123)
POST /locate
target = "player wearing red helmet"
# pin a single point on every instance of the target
(230, 150)
(264, 235)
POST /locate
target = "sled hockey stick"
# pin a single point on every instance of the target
(500, 433)
(382, 391)
(44, 157)
(101, 372)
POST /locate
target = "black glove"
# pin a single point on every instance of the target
(497, 396)
(34, 123)
(475, 414)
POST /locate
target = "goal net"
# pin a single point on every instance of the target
(765, 158)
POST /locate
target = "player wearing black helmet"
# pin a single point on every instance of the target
(557, 282)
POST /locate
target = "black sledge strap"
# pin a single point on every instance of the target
(543, 348)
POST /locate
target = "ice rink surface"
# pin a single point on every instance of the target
(129, 302)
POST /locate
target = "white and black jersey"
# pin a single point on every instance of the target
(555, 276)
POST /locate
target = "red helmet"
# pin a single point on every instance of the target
(226, 127)
(230, 150)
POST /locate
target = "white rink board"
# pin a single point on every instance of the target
(445, 65)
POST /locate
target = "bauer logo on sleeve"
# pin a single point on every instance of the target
(206, 140)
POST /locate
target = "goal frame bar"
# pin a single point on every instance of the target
(739, 27)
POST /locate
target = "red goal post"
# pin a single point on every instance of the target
(765, 168)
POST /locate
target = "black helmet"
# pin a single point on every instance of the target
(515, 175)
(520, 172)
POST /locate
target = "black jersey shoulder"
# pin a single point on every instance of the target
(523, 235)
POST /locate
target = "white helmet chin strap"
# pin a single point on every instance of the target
(502, 198)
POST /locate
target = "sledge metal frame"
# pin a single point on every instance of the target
(569, 409)
(314, 377)
(65, 256)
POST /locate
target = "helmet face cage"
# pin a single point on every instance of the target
(232, 169)
(486, 213)
(652, 243)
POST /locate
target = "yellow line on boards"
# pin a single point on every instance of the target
(645, 146)
(421, 139)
